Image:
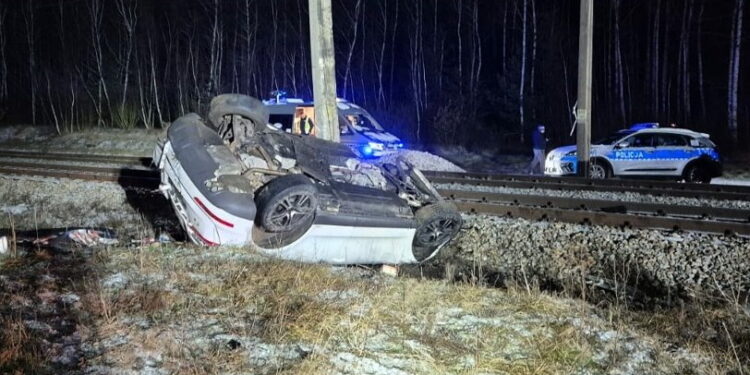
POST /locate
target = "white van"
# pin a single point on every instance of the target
(358, 129)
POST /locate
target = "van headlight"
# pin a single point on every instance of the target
(376, 146)
(572, 153)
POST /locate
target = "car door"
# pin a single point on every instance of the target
(672, 154)
(634, 155)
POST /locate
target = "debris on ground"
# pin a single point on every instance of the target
(61, 239)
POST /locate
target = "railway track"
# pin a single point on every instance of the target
(63, 156)
(532, 206)
(655, 188)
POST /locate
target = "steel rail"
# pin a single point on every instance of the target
(63, 156)
(591, 186)
(613, 182)
(622, 207)
(123, 176)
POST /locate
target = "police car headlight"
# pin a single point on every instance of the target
(376, 146)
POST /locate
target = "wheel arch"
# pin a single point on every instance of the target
(703, 161)
(604, 161)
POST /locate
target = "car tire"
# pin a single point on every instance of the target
(599, 170)
(437, 224)
(287, 204)
(236, 104)
(696, 174)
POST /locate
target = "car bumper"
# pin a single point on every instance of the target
(556, 166)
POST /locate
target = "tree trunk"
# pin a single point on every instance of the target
(128, 10)
(3, 63)
(655, 62)
(734, 71)
(522, 84)
(619, 76)
(29, 22)
(699, 49)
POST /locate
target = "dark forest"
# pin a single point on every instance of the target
(479, 73)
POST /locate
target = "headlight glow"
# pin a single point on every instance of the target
(376, 146)
(366, 150)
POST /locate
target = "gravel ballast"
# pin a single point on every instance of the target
(655, 261)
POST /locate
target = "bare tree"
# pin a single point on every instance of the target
(655, 62)
(416, 63)
(3, 63)
(459, 35)
(699, 48)
(352, 43)
(217, 50)
(96, 13)
(128, 10)
(522, 84)
(619, 75)
(684, 59)
(28, 17)
(250, 35)
(533, 47)
(379, 67)
(734, 70)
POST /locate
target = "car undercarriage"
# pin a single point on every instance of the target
(241, 181)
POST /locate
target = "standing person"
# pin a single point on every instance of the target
(307, 125)
(539, 144)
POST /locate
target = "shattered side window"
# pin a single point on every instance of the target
(285, 121)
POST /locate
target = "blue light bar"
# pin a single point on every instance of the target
(644, 125)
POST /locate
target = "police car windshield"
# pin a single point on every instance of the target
(612, 138)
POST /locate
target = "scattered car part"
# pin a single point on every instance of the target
(62, 239)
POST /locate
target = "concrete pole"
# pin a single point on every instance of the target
(585, 63)
(323, 69)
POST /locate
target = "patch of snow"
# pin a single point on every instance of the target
(348, 363)
(69, 298)
(17, 209)
(424, 161)
(39, 327)
(730, 181)
(116, 281)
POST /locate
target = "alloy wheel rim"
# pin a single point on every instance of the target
(597, 171)
(437, 232)
(291, 210)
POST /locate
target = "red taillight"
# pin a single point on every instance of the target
(204, 239)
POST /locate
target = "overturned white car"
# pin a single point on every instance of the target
(243, 182)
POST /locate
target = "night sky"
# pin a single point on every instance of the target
(434, 71)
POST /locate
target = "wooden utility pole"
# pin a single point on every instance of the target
(585, 63)
(323, 69)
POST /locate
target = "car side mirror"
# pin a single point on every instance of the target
(622, 145)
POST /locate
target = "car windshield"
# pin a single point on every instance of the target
(612, 138)
(363, 122)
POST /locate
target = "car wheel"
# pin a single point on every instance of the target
(697, 175)
(598, 170)
(287, 203)
(236, 104)
(436, 225)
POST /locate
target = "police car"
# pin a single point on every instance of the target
(357, 128)
(645, 150)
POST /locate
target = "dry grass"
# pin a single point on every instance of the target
(288, 303)
(19, 352)
(188, 295)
